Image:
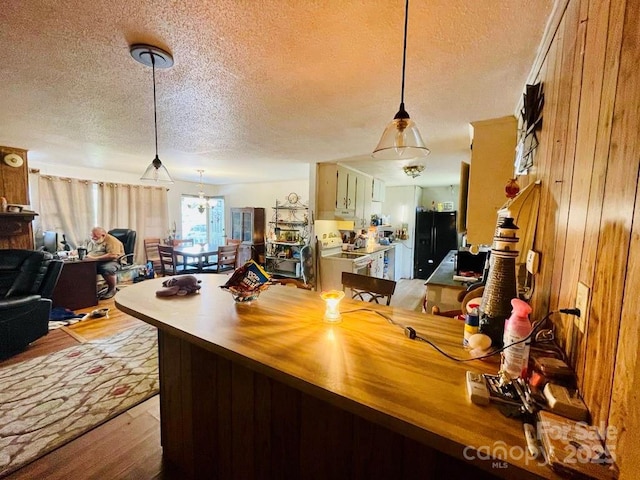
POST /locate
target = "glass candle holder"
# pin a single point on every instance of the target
(332, 300)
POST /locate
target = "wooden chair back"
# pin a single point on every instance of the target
(167, 260)
(151, 252)
(227, 257)
(368, 289)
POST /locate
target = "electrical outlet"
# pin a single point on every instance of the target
(582, 303)
(533, 262)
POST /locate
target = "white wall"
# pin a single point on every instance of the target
(238, 195)
(434, 195)
(400, 203)
(259, 195)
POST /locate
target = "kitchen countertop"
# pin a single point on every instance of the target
(364, 365)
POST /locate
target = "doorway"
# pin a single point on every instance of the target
(203, 220)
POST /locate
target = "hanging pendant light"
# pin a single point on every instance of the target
(202, 202)
(401, 139)
(153, 57)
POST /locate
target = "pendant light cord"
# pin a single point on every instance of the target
(155, 114)
(404, 51)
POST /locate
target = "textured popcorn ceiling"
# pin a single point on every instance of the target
(259, 89)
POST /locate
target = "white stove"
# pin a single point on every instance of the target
(334, 261)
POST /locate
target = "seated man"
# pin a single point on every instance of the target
(107, 248)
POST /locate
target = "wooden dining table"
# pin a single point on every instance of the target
(196, 258)
(271, 390)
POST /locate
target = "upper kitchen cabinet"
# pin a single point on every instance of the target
(378, 190)
(344, 194)
(492, 155)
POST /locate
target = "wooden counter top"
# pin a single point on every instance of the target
(364, 365)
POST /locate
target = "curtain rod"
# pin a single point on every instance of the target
(36, 171)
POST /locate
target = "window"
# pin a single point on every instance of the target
(203, 219)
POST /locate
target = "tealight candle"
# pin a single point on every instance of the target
(332, 299)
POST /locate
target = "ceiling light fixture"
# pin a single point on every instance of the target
(203, 201)
(413, 171)
(401, 139)
(153, 57)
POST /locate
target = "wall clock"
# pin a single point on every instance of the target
(13, 160)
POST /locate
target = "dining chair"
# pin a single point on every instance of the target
(151, 252)
(225, 259)
(368, 289)
(169, 264)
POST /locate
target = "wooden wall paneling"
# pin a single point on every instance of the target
(566, 268)
(205, 376)
(545, 228)
(170, 396)
(583, 192)
(608, 221)
(224, 423)
(262, 427)
(575, 217)
(285, 431)
(242, 437)
(558, 183)
(623, 166)
(624, 413)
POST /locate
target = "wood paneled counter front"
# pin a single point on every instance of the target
(270, 390)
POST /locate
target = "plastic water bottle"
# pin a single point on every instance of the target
(517, 327)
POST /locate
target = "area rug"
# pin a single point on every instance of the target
(50, 400)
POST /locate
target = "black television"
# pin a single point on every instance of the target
(50, 242)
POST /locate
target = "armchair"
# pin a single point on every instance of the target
(27, 280)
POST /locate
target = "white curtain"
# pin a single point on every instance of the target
(67, 206)
(74, 207)
(140, 208)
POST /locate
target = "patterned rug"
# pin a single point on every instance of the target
(48, 401)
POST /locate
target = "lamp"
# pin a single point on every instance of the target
(413, 170)
(202, 203)
(332, 299)
(401, 139)
(153, 57)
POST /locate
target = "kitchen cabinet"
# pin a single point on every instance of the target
(377, 264)
(492, 157)
(343, 194)
(248, 227)
(377, 193)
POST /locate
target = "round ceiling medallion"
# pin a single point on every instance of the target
(13, 160)
(143, 54)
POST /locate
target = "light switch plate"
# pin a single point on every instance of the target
(533, 262)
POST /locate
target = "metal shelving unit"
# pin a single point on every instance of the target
(288, 235)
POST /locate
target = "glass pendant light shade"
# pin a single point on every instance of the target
(153, 57)
(157, 172)
(401, 140)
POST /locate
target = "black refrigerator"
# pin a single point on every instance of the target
(435, 236)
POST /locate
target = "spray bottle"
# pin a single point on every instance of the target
(517, 327)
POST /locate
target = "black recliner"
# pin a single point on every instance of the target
(128, 239)
(27, 280)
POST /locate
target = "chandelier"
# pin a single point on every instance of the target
(413, 171)
(203, 202)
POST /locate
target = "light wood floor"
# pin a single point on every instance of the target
(128, 446)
